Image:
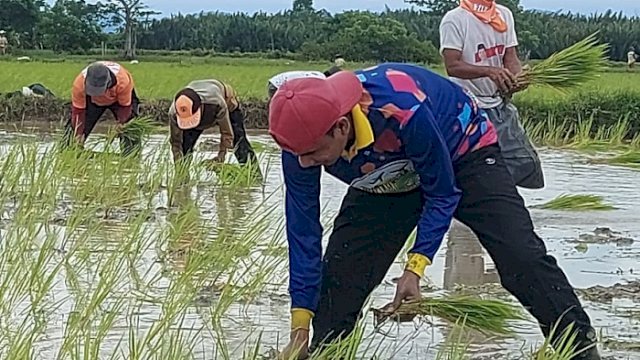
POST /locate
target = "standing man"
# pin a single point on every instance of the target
(201, 105)
(415, 150)
(3, 42)
(100, 86)
(631, 58)
(478, 43)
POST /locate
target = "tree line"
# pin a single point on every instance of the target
(302, 31)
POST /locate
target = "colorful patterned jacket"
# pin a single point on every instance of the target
(411, 126)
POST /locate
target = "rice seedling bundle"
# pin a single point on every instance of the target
(571, 67)
(488, 316)
(577, 203)
(139, 128)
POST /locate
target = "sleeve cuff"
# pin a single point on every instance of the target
(301, 319)
(417, 264)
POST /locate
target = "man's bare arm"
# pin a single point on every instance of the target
(511, 61)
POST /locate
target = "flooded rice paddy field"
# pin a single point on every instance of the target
(218, 298)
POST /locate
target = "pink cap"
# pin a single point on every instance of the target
(303, 110)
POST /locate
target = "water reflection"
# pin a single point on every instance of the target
(232, 208)
(185, 228)
(465, 262)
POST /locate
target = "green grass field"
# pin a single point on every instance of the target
(156, 79)
(248, 76)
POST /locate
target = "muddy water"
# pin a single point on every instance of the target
(460, 262)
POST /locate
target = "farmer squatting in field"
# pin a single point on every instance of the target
(100, 86)
(416, 150)
(201, 105)
(478, 43)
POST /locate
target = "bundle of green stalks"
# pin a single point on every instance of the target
(582, 202)
(571, 67)
(488, 316)
(629, 159)
(139, 128)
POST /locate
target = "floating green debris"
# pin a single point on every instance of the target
(629, 159)
(582, 248)
(586, 202)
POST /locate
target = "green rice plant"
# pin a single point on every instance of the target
(582, 202)
(548, 132)
(238, 175)
(582, 133)
(571, 67)
(347, 349)
(561, 347)
(455, 347)
(488, 316)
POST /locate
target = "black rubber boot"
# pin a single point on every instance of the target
(590, 343)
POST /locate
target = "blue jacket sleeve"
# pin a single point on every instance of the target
(304, 232)
(427, 149)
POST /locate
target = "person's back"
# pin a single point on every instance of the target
(454, 109)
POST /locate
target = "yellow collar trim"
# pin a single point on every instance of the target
(363, 132)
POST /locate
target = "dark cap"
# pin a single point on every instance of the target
(97, 80)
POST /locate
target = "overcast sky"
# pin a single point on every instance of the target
(631, 7)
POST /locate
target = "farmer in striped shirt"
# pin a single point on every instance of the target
(100, 86)
(416, 150)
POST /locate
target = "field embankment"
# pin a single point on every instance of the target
(608, 99)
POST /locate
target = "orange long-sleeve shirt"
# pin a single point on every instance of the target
(120, 94)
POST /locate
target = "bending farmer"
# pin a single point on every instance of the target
(100, 86)
(201, 105)
(416, 150)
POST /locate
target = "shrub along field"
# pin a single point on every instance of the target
(608, 99)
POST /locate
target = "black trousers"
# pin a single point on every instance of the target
(371, 229)
(242, 148)
(94, 113)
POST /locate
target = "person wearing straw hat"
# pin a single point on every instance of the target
(100, 86)
(3, 42)
(415, 150)
(201, 105)
(478, 45)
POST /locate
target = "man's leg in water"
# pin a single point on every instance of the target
(93, 113)
(492, 207)
(368, 233)
(242, 148)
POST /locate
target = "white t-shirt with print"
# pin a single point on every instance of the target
(480, 45)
